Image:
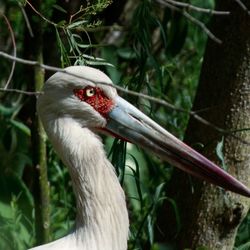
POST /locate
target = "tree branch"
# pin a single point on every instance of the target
(202, 26)
(123, 90)
(14, 50)
(243, 6)
(39, 14)
(23, 92)
(190, 18)
(189, 6)
(31, 63)
(26, 20)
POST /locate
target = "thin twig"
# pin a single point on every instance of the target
(23, 92)
(126, 91)
(203, 26)
(243, 6)
(65, 27)
(26, 19)
(39, 14)
(31, 63)
(76, 13)
(14, 50)
(189, 6)
(192, 19)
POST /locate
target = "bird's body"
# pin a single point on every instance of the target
(72, 109)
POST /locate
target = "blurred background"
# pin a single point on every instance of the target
(151, 47)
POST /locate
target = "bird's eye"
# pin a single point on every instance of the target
(100, 102)
(90, 92)
(84, 94)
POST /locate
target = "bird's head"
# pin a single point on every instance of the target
(78, 94)
(86, 95)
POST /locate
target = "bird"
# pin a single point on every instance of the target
(77, 104)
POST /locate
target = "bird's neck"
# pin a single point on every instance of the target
(102, 220)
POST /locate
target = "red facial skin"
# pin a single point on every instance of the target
(95, 97)
(100, 102)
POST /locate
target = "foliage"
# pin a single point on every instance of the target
(157, 52)
(14, 234)
(242, 239)
(16, 202)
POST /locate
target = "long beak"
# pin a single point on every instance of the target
(126, 121)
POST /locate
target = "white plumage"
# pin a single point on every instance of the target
(102, 218)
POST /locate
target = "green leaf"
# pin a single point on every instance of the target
(126, 53)
(58, 7)
(63, 57)
(245, 246)
(150, 229)
(136, 175)
(76, 24)
(110, 55)
(7, 110)
(22, 127)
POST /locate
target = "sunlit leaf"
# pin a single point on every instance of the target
(77, 24)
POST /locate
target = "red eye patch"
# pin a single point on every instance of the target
(96, 98)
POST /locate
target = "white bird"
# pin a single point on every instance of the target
(73, 108)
